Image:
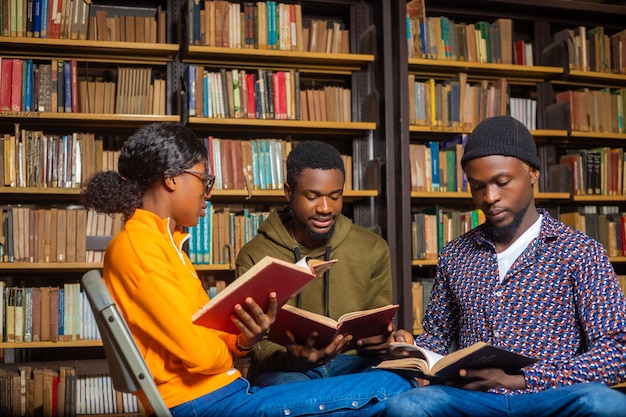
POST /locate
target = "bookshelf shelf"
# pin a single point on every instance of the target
(60, 344)
(467, 196)
(83, 119)
(49, 266)
(212, 267)
(540, 133)
(423, 262)
(518, 73)
(591, 78)
(599, 198)
(599, 135)
(279, 195)
(255, 194)
(285, 126)
(118, 52)
(304, 61)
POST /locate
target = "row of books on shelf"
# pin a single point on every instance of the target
(581, 48)
(436, 165)
(595, 171)
(595, 110)
(80, 19)
(126, 24)
(456, 103)
(58, 19)
(47, 313)
(592, 49)
(264, 94)
(485, 42)
(30, 234)
(39, 391)
(34, 159)
(433, 227)
(255, 164)
(263, 25)
(55, 86)
(218, 236)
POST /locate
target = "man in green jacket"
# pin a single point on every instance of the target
(312, 225)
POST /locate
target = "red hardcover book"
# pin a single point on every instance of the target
(16, 85)
(359, 324)
(251, 96)
(269, 274)
(5, 83)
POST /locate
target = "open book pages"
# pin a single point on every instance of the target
(301, 323)
(423, 363)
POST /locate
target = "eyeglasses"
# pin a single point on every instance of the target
(207, 179)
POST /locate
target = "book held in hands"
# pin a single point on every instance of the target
(423, 363)
(301, 323)
(268, 275)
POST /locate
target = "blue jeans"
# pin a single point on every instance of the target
(339, 365)
(589, 399)
(360, 395)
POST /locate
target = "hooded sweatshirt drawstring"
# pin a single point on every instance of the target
(298, 256)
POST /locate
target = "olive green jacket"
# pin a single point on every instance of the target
(361, 279)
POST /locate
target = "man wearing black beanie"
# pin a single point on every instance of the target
(525, 282)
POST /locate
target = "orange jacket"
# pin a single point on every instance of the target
(157, 290)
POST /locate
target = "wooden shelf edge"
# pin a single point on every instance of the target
(514, 71)
(302, 58)
(348, 127)
(75, 48)
(599, 198)
(424, 262)
(48, 344)
(49, 266)
(460, 131)
(89, 117)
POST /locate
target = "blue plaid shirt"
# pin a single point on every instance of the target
(560, 302)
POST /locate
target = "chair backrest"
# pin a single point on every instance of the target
(128, 369)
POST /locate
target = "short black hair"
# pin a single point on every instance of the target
(315, 155)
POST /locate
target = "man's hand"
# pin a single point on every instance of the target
(376, 345)
(485, 379)
(304, 357)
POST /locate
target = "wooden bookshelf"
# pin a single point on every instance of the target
(304, 61)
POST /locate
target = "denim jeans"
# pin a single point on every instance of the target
(589, 399)
(339, 365)
(360, 395)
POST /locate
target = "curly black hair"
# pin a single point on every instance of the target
(312, 154)
(153, 153)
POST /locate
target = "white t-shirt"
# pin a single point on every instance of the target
(507, 257)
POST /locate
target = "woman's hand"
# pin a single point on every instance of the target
(253, 321)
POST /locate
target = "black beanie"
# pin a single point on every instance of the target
(501, 135)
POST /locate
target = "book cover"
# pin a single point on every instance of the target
(423, 363)
(269, 274)
(359, 324)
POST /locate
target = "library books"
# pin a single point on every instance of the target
(268, 275)
(301, 323)
(423, 363)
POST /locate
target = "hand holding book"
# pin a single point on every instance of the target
(268, 275)
(423, 363)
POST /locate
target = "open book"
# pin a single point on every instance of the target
(360, 324)
(269, 274)
(423, 363)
